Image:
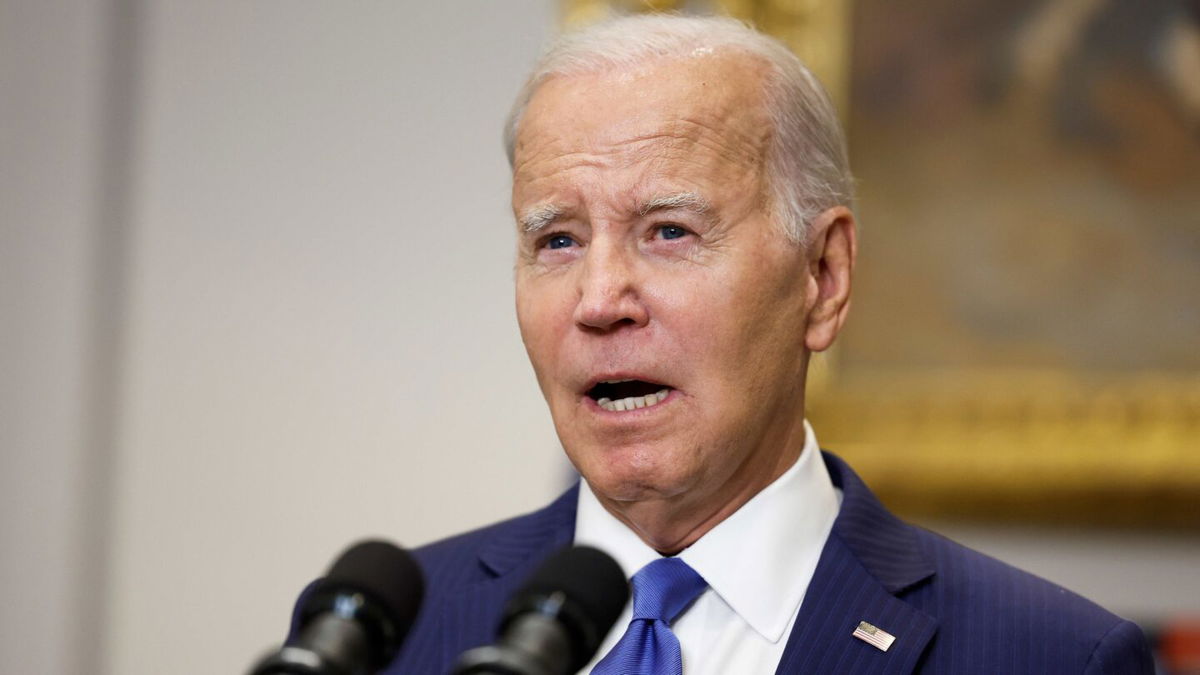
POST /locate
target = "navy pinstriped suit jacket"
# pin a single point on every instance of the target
(952, 610)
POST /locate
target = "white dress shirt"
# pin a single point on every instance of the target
(758, 563)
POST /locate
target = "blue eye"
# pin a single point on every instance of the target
(560, 241)
(672, 232)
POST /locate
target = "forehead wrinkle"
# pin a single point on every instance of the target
(724, 141)
(680, 138)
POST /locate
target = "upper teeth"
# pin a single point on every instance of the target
(631, 402)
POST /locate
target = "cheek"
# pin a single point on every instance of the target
(740, 329)
(706, 324)
(542, 318)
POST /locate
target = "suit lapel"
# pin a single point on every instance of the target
(506, 561)
(841, 595)
(869, 558)
(532, 538)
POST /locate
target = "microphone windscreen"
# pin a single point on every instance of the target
(595, 590)
(383, 572)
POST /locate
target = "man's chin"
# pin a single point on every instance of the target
(629, 483)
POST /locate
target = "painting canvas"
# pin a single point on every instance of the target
(1027, 311)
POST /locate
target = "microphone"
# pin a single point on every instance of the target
(554, 624)
(353, 621)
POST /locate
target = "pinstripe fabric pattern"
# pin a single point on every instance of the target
(953, 610)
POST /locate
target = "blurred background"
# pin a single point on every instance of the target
(255, 289)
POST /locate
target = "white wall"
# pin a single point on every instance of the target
(321, 343)
(51, 63)
(255, 281)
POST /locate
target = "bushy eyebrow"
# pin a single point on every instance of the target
(689, 201)
(538, 217)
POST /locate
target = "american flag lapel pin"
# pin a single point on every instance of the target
(876, 637)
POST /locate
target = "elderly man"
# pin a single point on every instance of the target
(685, 243)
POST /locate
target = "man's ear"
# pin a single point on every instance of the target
(832, 250)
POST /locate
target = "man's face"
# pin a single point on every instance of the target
(647, 254)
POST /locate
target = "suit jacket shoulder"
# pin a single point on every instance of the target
(993, 613)
(950, 608)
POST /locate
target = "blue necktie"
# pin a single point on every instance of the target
(661, 591)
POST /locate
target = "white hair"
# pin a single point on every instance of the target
(807, 167)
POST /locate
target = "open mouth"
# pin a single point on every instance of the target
(622, 395)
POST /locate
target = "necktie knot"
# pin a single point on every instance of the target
(661, 591)
(664, 588)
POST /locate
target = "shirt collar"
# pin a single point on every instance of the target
(760, 559)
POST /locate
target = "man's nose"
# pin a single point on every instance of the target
(609, 289)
